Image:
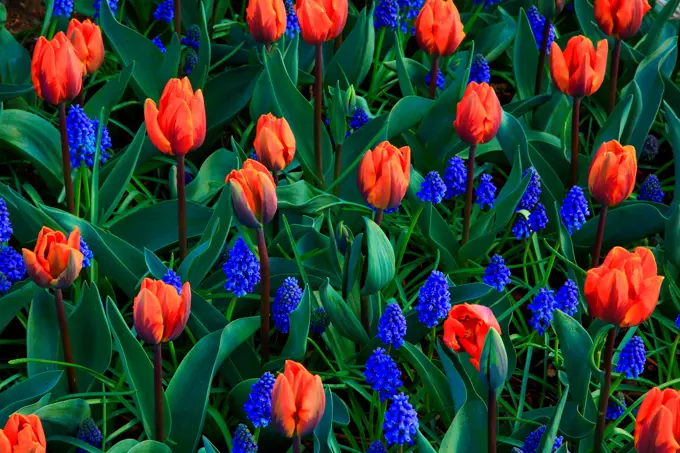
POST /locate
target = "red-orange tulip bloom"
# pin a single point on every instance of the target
(478, 114)
(439, 30)
(625, 289)
(253, 194)
(274, 142)
(620, 18)
(178, 125)
(23, 434)
(579, 71)
(321, 20)
(466, 327)
(160, 313)
(298, 400)
(86, 38)
(612, 173)
(384, 174)
(266, 19)
(657, 425)
(56, 70)
(56, 260)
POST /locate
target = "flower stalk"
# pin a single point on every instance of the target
(65, 341)
(181, 206)
(318, 101)
(575, 121)
(541, 57)
(264, 295)
(468, 193)
(66, 159)
(433, 78)
(616, 58)
(158, 390)
(604, 392)
(597, 247)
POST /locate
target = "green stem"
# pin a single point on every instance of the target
(575, 122)
(433, 77)
(616, 57)
(158, 390)
(297, 444)
(65, 341)
(491, 420)
(604, 392)
(597, 247)
(468, 193)
(181, 207)
(66, 159)
(318, 101)
(264, 295)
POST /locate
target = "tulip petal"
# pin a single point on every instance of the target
(34, 270)
(152, 127)
(311, 405)
(148, 317)
(315, 25)
(182, 129)
(283, 406)
(242, 207)
(5, 446)
(558, 68)
(600, 65)
(197, 107)
(72, 270)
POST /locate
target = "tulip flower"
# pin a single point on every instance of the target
(86, 38)
(439, 32)
(176, 127)
(384, 175)
(266, 20)
(274, 143)
(656, 425)
(23, 434)
(298, 401)
(466, 327)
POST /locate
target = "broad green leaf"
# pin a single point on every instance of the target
(27, 392)
(341, 315)
(200, 72)
(150, 446)
(300, 197)
(8, 92)
(438, 231)
(548, 439)
(123, 446)
(424, 445)
(405, 84)
(525, 57)
(109, 94)
(352, 61)
(381, 261)
(12, 302)
(42, 333)
(469, 429)
(296, 345)
(64, 417)
(16, 62)
(211, 175)
(575, 344)
(226, 94)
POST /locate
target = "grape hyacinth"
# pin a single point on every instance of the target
(677, 322)
(258, 406)
(292, 24)
(171, 278)
(650, 149)
(5, 284)
(386, 15)
(537, 22)
(532, 194)
(479, 70)
(434, 300)
(190, 60)
(90, 434)
(432, 188)
(567, 298)
(5, 222)
(632, 358)
(377, 447)
(455, 177)
(497, 274)
(401, 421)
(533, 441)
(382, 374)
(82, 138)
(62, 8)
(159, 44)
(242, 269)
(165, 11)
(12, 264)
(88, 256)
(243, 441)
(286, 300)
(319, 321)
(521, 228)
(574, 210)
(359, 119)
(409, 9)
(486, 192)
(538, 219)
(650, 190)
(113, 4)
(615, 408)
(542, 307)
(392, 326)
(193, 37)
(441, 81)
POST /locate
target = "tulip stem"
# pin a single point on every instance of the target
(158, 390)
(336, 168)
(178, 18)
(65, 341)
(616, 58)
(575, 121)
(491, 419)
(181, 207)
(264, 295)
(468, 193)
(318, 101)
(66, 159)
(433, 77)
(604, 392)
(275, 219)
(297, 444)
(540, 69)
(600, 234)
(378, 216)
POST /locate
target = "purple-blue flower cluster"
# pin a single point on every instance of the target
(82, 138)
(537, 22)
(650, 190)
(574, 210)
(171, 278)
(632, 358)
(432, 188)
(497, 274)
(455, 177)
(542, 308)
(292, 24)
(243, 441)
(90, 434)
(319, 321)
(88, 256)
(190, 60)
(392, 326)
(567, 298)
(401, 421)
(258, 406)
(382, 374)
(242, 269)
(441, 81)
(286, 300)
(165, 11)
(377, 447)
(533, 441)
(486, 192)
(62, 8)
(113, 4)
(434, 300)
(479, 70)
(615, 408)
(159, 44)
(650, 149)
(386, 15)
(5, 223)
(193, 37)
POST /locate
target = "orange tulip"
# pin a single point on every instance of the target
(321, 20)
(86, 38)
(178, 125)
(274, 142)
(56, 260)
(56, 70)
(611, 178)
(298, 400)
(23, 434)
(266, 19)
(160, 313)
(625, 289)
(253, 193)
(478, 114)
(620, 18)
(439, 30)
(384, 174)
(657, 425)
(579, 71)
(466, 327)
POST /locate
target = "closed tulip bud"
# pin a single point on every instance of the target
(493, 362)
(620, 18)
(266, 19)
(178, 125)
(611, 178)
(23, 434)
(625, 289)
(657, 422)
(579, 71)
(56, 260)
(86, 38)
(253, 194)
(466, 329)
(384, 174)
(56, 70)
(321, 20)
(478, 114)
(439, 30)
(160, 312)
(274, 142)
(343, 237)
(298, 401)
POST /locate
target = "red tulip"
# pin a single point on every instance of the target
(56, 260)
(160, 312)
(579, 71)
(439, 30)
(321, 20)
(298, 401)
(657, 425)
(611, 178)
(86, 38)
(466, 327)
(620, 18)
(56, 70)
(384, 175)
(23, 434)
(274, 142)
(478, 114)
(266, 19)
(253, 194)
